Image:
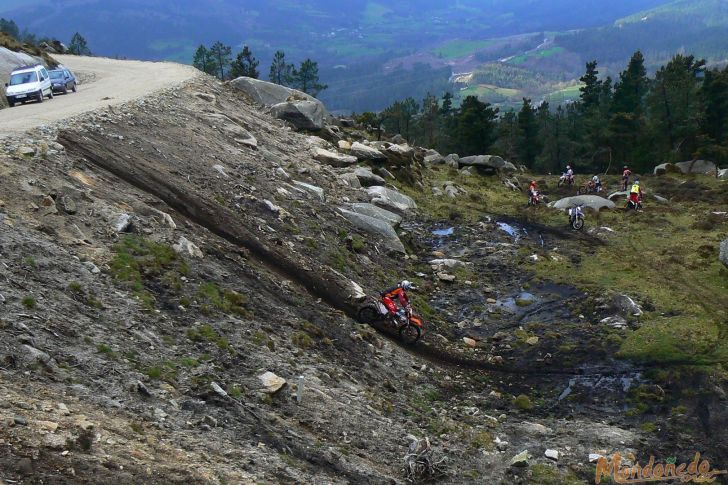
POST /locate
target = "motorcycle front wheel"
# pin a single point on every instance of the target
(577, 223)
(409, 334)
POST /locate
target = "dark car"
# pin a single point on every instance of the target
(62, 80)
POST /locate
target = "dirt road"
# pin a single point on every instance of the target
(109, 82)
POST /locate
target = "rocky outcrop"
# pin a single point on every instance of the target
(376, 227)
(433, 157)
(333, 158)
(723, 174)
(303, 115)
(491, 162)
(367, 154)
(592, 201)
(664, 168)
(269, 94)
(697, 167)
(10, 60)
(372, 210)
(724, 252)
(368, 178)
(617, 196)
(391, 199)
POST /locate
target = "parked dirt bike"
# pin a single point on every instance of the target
(407, 324)
(591, 188)
(576, 217)
(566, 180)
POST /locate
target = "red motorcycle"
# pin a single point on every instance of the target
(536, 198)
(407, 325)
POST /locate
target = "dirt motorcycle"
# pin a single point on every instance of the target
(591, 188)
(407, 325)
(566, 180)
(576, 217)
(536, 198)
(632, 205)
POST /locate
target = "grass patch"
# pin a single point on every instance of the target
(225, 300)
(206, 333)
(543, 474)
(29, 302)
(523, 402)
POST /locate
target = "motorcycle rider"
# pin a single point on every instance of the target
(596, 184)
(533, 192)
(625, 177)
(635, 194)
(399, 292)
(569, 175)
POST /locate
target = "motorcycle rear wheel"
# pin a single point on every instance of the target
(409, 334)
(368, 314)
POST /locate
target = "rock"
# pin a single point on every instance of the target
(68, 205)
(55, 441)
(271, 382)
(250, 141)
(24, 466)
(218, 390)
(365, 153)
(500, 444)
(594, 457)
(698, 167)
(351, 180)
(627, 306)
(269, 94)
(332, 158)
(470, 342)
(400, 153)
(448, 278)
(311, 189)
(221, 170)
(344, 145)
(186, 247)
(232, 129)
(660, 199)
(592, 201)
(48, 426)
(376, 227)
(142, 389)
(664, 168)
(391, 199)
(615, 321)
(532, 340)
(93, 269)
(33, 356)
(491, 162)
(159, 414)
(367, 178)
(617, 196)
(448, 263)
(433, 157)
(724, 252)
(26, 151)
(63, 409)
(2, 299)
(282, 174)
(210, 421)
(210, 98)
(521, 459)
(271, 206)
(552, 455)
(123, 223)
(372, 210)
(167, 218)
(723, 174)
(303, 115)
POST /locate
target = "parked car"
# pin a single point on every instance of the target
(62, 80)
(28, 83)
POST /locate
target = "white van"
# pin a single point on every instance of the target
(28, 83)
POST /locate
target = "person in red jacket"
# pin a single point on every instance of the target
(399, 292)
(625, 177)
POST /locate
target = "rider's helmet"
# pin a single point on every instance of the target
(625, 167)
(533, 182)
(637, 182)
(406, 285)
(568, 167)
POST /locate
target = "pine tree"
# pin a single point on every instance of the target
(280, 71)
(528, 145)
(10, 28)
(474, 127)
(78, 46)
(632, 87)
(203, 60)
(245, 64)
(306, 78)
(592, 89)
(221, 55)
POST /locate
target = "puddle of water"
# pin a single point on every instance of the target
(602, 383)
(511, 304)
(444, 232)
(513, 231)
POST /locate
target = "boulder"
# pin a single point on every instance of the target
(186, 247)
(724, 252)
(432, 157)
(351, 180)
(372, 210)
(698, 167)
(365, 153)
(232, 129)
(453, 160)
(367, 177)
(332, 158)
(723, 174)
(303, 115)
(617, 196)
(521, 459)
(376, 227)
(447, 263)
(400, 153)
(491, 162)
(311, 189)
(344, 145)
(269, 94)
(592, 201)
(627, 306)
(391, 199)
(664, 168)
(271, 382)
(10, 60)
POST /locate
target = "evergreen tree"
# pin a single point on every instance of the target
(508, 135)
(10, 27)
(592, 89)
(221, 56)
(78, 46)
(632, 87)
(280, 71)
(245, 64)
(528, 144)
(203, 60)
(430, 120)
(474, 127)
(306, 78)
(446, 108)
(714, 122)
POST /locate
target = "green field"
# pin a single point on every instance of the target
(541, 53)
(484, 90)
(456, 49)
(568, 93)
